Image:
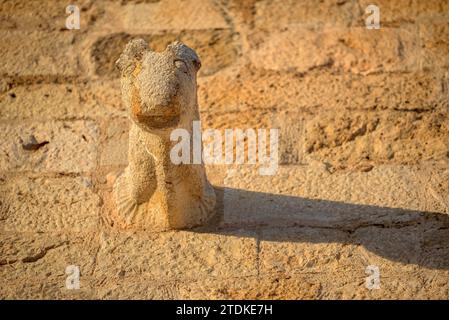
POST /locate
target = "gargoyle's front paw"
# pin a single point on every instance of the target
(125, 200)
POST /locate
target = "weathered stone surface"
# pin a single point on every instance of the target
(395, 13)
(218, 47)
(114, 149)
(103, 98)
(277, 286)
(63, 147)
(312, 196)
(46, 102)
(350, 138)
(434, 33)
(436, 178)
(435, 245)
(34, 54)
(307, 250)
(42, 102)
(291, 126)
(247, 89)
(351, 50)
(239, 13)
(394, 248)
(229, 120)
(155, 15)
(173, 15)
(410, 285)
(332, 285)
(34, 204)
(409, 92)
(253, 287)
(45, 15)
(272, 14)
(259, 99)
(179, 255)
(300, 50)
(137, 287)
(422, 245)
(33, 266)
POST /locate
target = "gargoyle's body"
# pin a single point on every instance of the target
(159, 90)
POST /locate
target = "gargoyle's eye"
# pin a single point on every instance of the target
(181, 65)
(197, 64)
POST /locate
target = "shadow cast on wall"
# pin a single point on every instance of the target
(406, 236)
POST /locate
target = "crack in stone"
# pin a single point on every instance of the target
(42, 253)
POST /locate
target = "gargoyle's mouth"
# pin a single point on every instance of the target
(156, 116)
(158, 121)
(168, 110)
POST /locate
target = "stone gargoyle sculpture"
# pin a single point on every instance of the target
(159, 90)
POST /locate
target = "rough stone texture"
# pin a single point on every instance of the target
(159, 91)
(102, 97)
(114, 150)
(41, 261)
(381, 118)
(363, 176)
(346, 200)
(216, 48)
(62, 146)
(34, 204)
(45, 15)
(310, 250)
(269, 14)
(335, 285)
(56, 102)
(246, 89)
(350, 50)
(264, 287)
(406, 11)
(34, 54)
(154, 15)
(182, 255)
(173, 15)
(350, 138)
(434, 33)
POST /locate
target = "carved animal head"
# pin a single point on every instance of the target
(158, 87)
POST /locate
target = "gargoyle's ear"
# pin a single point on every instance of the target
(133, 52)
(182, 51)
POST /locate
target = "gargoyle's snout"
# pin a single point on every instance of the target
(160, 94)
(166, 94)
